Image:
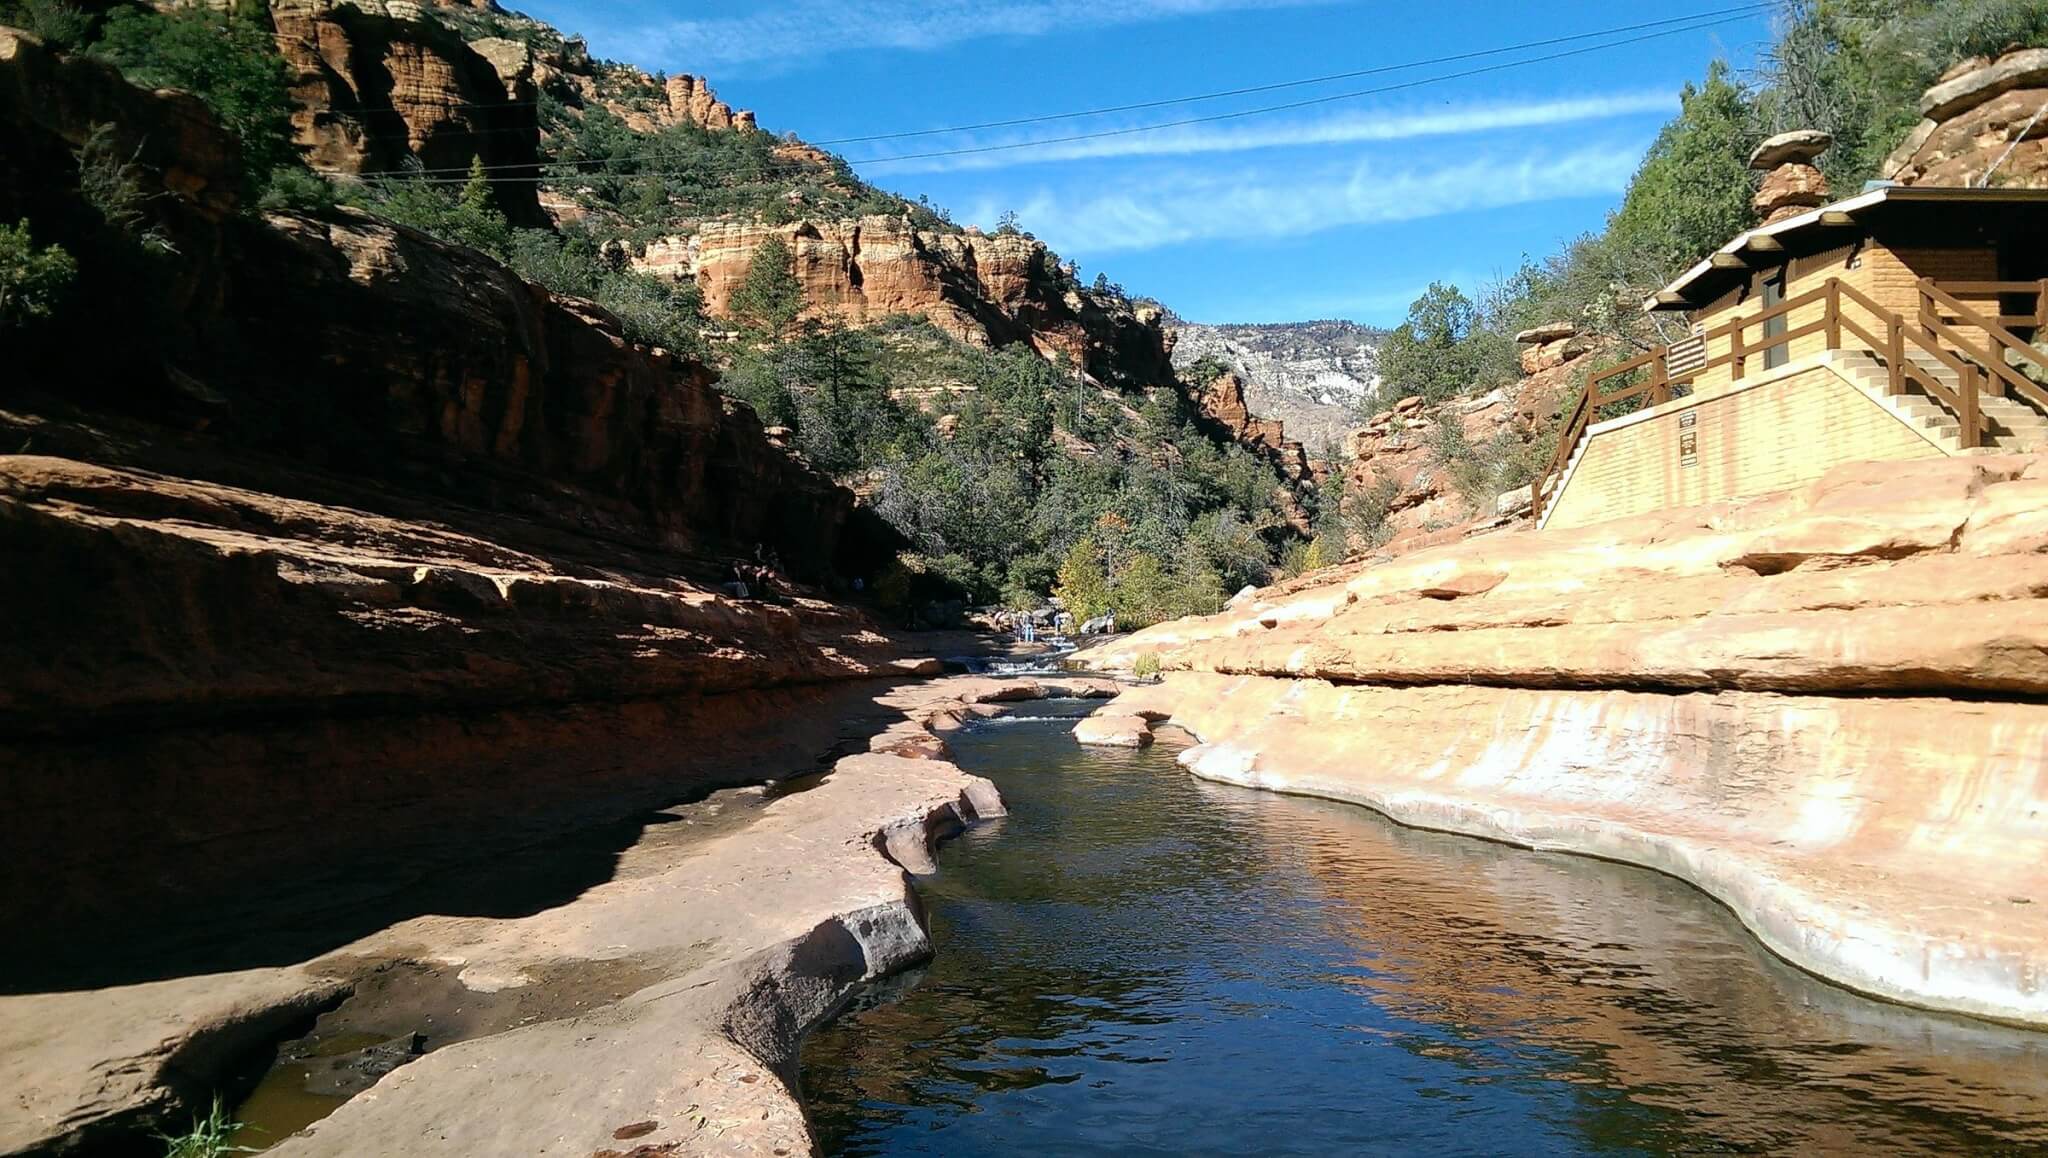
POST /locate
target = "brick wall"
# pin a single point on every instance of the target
(1751, 441)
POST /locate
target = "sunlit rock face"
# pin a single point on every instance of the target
(1310, 375)
(1981, 124)
(1821, 706)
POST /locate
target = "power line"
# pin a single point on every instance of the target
(1688, 25)
(1702, 22)
(1291, 105)
(1740, 10)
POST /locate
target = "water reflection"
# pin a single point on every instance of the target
(1137, 962)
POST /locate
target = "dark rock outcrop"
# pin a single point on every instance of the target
(323, 532)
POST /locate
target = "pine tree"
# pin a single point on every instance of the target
(768, 298)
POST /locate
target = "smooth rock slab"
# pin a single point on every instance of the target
(1114, 731)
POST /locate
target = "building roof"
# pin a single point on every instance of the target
(1819, 229)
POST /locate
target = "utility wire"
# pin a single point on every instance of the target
(1103, 133)
(1693, 23)
(1740, 10)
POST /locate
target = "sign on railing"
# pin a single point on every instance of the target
(1687, 356)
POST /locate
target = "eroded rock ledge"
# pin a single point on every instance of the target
(714, 951)
(1823, 708)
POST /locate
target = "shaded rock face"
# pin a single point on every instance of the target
(986, 290)
(1309, 375)
(349, 526)
(1971, 120)
(379, 353)
(1823, 706)
(377, 84)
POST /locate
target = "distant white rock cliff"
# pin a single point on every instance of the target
(1309, 375)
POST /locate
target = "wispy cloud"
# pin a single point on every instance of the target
(1346, 128)
(804, 29)
(1197, 207)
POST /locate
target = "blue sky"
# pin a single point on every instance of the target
(1346, 208)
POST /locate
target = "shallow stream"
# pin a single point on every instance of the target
(1135, 961)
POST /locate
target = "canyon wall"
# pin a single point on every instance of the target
(1310, 375)
(987, 290)
(323, 531)
(378, 85)
(1823, 707)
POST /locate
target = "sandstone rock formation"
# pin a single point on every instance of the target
(691, 101)
(1309, 375)
(1114, 731)
(346, 473)
(989, 290)
(1822, 707)
(1395, 468)
(1792, 184)
(376, 84)
(353, 573)
(1985, 113)
(1222, 400)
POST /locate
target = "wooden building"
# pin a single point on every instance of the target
(1899, 323)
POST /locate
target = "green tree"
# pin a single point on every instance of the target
(33, 279)
(1433, 352)
(1145, 594)
(468, 217)
(768, 298)
(228, 60)
(61, 26)
(1692, 191)
(1083, 587)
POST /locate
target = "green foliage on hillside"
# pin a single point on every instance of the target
(227, 60)
(465, 216)
(1692, 191)
(768, 298)
(1853, 68)
(1856, 68)
(676, 176)
(61, 26)
(987, 497)
(1441, 349)
(33, 278)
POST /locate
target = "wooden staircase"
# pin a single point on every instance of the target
(1953, 372)
(2010, 425)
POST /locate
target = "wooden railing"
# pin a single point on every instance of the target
(1982, 364)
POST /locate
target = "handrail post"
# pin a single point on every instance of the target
(1967, 381)
(1834, 314)
(1660, 381)
(2040, 307)
(1895, 352)
(1737, 359)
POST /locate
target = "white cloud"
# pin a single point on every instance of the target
(1347, 128)
(803, 29)
(1196, 207)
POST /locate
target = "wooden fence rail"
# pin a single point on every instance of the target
(1939, 333)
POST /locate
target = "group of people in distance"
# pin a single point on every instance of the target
(756, 578)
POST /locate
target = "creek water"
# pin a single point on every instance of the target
(1134, 961)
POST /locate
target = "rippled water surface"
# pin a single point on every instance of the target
(1138, 962)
